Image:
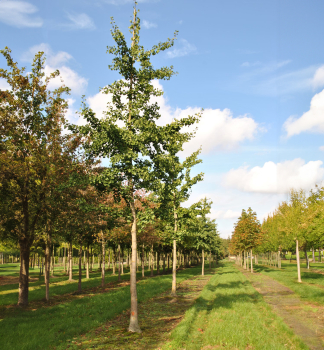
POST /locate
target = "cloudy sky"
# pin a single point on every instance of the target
(256, 67)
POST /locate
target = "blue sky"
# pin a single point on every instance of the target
(256, 67)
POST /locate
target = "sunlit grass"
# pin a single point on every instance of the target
(47, 327)
(230, 314)
(312, 286)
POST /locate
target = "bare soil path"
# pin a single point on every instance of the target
(304, 318)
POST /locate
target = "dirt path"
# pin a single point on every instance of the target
(304, 318)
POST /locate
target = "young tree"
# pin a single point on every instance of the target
(134, 147)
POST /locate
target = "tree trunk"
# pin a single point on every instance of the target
(307, 259)
(119, 266)
(158, 262)
(80, 269)
(313, 251)
(133, 323)
(152, 262)
(143, 272)
(47, 264)
(203, 262)
(23, 273)
(64, 260)
(210, 267)
(174, 258)
(298, 262)
(87, 266)
(103, 245)
(70, 263)
(109, 259)
(251, 262)
(53, 260)
(114, 262)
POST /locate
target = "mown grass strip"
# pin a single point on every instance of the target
(312, 287)
(59, 285)
(47, 327)
(230, 314)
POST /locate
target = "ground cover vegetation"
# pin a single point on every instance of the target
(60, 208)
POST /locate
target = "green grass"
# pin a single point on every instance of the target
(58, 285)
(312, 288)
(230, 314)
(48, 327)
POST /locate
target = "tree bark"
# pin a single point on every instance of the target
(133, 323)
(70, 263)
(103, 245)
(152, 262)
(251, 262)
(142, 260)
(298, 262)
(158, 262)
(47, 264)
(23, 273)
(80, 269)
(203, 262)
(119, 261)
(64, 260)
(87, 266)
(307, 259)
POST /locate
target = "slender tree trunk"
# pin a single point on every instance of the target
(168, 257)
(174, 258)
(298, 262)
(307, 259)
(87, 266)
(64, 260)
(114, 262)
(70, 263)
(158, 262)
(47, 264)
(23, 273)
(133, 323)
(119, 261)
(203, 262)
(152, 262)
(84, 260)
(210, 262)
(251, 262)
(103, 245)
(313, 253)
(143, 272)
(122, 262)
(92, 261)
(109, 259)
(80, 269)
(53, 260)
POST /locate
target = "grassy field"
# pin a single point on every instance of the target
(59, 285)
(46, 327)
(312, 285)
(230, 314)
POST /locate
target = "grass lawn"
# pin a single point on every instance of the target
(47, 327)
(230, 314)
(59, 285)
(312, 286)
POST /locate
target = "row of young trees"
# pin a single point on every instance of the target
(296, 225)
(54, 190)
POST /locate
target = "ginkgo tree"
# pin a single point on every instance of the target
(128, 134)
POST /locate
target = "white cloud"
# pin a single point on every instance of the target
(311, 121)
(58, 60)
(148, 25)
(217, 129)
(19, 14)
(52, 59)
(272, 79)
(4, 85)
(226, 214)
(321, 148)
(79, 21)
(318, 80)
(276, 178)
(185, 48)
